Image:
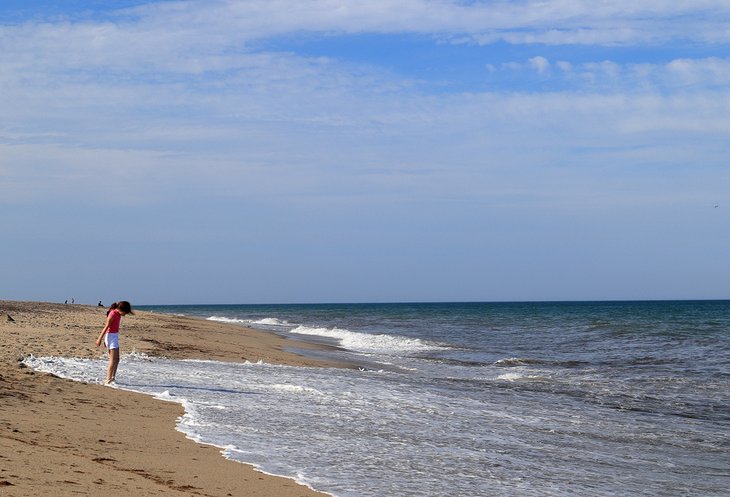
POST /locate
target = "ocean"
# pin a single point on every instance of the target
(465, 399)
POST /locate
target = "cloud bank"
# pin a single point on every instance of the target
(214, 108)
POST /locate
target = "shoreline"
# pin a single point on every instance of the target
(71, 438)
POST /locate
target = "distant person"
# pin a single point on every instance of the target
(100, 304)
(110, 337)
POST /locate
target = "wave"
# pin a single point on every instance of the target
(266, 323)
(521, 377)
(295, 389)
(357, 342)
(222, 319)
(371, 344)
(271, 322)
(457, 362)
(517, 361)
(513, 362)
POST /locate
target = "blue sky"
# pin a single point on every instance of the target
(333, 151)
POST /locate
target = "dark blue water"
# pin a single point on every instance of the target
(688, 338)
(475, 399)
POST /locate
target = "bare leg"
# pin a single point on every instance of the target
(111, 372)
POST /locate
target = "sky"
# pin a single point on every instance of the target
(283, 151)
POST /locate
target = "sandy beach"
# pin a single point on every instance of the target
(64, 438)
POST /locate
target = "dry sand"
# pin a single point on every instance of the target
(63, 438)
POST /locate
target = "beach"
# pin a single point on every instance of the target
(537, 399)
(66, 438)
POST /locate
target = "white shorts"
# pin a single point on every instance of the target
(112, 341)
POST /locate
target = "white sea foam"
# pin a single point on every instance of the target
(335, 426)
(516, 361)
(358, 342)
(166, 395)
(371, 344)
(86, 370)
(222, 319)
(268, 323)
(520, 377)
(271, 322)
(296, 389)
(140, 356)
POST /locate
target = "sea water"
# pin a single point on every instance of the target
(502, 399)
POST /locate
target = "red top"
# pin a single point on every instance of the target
(115, 317)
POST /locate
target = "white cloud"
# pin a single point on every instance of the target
(167, 88)
(564, 65)
(172, 114)
(709, 73)
(217, 37)
(712, 70)
(218, 23)
(540, 64)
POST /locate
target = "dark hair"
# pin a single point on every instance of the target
(124, 307)
(112, 307)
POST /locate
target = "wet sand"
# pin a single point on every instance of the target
(64, 438)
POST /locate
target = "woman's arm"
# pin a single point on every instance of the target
(103, 332)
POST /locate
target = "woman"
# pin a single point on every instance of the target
(111, 330)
